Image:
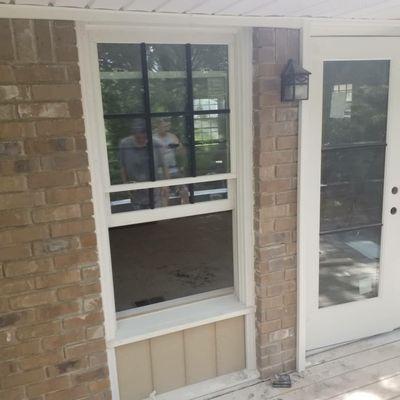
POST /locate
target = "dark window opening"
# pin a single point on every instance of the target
(166, 260)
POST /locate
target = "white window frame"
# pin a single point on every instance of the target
(202, 309)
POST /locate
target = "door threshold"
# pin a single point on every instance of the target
(333, 352)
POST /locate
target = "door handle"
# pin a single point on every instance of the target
(393, 210)
(395, 190)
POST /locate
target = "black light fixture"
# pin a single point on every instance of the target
(294, 82)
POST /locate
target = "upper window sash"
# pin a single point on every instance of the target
(171, 108)
(220, 38)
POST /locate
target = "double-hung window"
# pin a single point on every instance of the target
(164, 154)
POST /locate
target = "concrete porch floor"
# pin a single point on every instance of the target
(368, 369)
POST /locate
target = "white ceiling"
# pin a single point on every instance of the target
(371, 9)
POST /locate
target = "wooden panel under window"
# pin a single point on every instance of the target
(183, 358)
(230, 345)
(200, 353)
(134, 370)
(168, 361)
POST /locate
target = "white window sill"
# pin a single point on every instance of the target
(146, 326)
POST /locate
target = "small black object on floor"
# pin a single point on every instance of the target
(282, 381)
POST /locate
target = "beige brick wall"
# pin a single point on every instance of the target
(51, 320)
(275, 170)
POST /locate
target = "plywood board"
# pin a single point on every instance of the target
(134, 371)
(200, 353)
(168, 362)
(230, 342)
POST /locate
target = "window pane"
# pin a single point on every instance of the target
(167, 77)
(165, 260)
(121, 78)
(351, 205)
(171, 147)
(135, 200)
(208, 191)
(210, 77)
(212, 143)
(128, 150)
(349, 266)
(355, 101)
(353, 165)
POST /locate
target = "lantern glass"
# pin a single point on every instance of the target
(288, 92)
(301, 91)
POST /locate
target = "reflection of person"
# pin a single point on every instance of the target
(134, 160)
(172, 149)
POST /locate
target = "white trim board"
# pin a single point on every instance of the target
(170, 320)
(188, 20)
(212, 388)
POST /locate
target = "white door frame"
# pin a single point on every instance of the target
(308, 159)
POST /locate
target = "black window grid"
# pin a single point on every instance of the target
(188, 114)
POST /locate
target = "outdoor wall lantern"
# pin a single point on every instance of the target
(294, 82)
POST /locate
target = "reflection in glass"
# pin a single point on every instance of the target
(353, 165)
(210, 77)
(355, 101)
(180, 143)
(349, 266)
(212, 143)
(121, 78)
(129, 152)
(168, 196)
(170, 135)
(351, 205)
(167, 77)
(165, 260)
(352, 173)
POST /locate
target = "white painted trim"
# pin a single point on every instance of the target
(174, 303)
(357, 28)
(155, 34)
(169, 182)
(245, 185)
(212, 388)
(176, 319)
(301, 215)
(163, 213)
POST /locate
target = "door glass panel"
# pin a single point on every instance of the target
(355, 101)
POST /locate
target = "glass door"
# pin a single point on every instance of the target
(355, 260)
(354, 119)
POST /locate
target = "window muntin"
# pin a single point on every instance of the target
(168, 196)
(183, 87)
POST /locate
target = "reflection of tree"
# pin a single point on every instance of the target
(122, 92)
(367, 122)
(353, 176)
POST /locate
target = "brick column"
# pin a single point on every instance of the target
(51, 320)
(275, 170)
